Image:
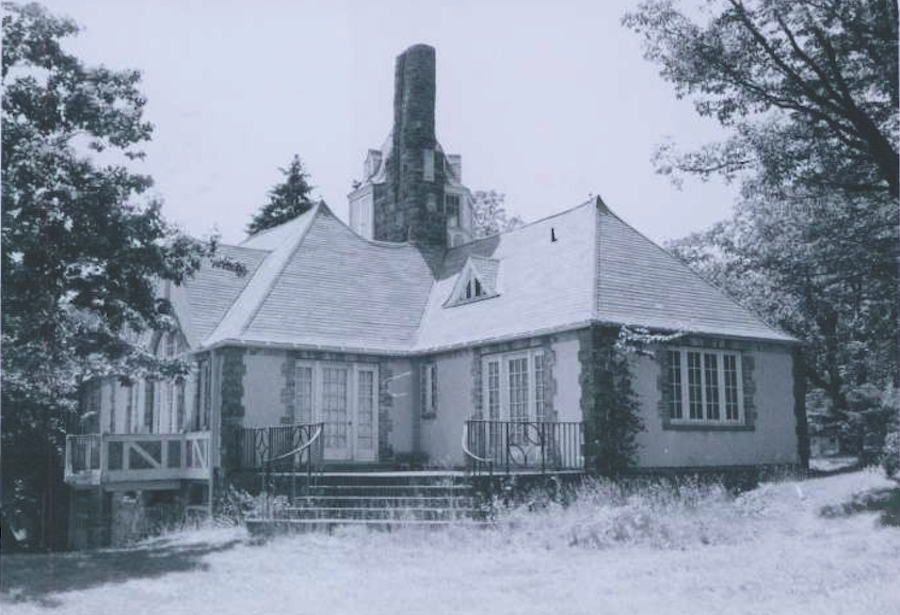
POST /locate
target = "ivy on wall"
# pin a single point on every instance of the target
(610, 407)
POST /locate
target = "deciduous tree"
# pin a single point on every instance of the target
(489, 215)
(81, 254)
(808, 91)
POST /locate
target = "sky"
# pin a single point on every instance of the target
(548, 103)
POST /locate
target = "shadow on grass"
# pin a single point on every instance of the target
(886, 501)
(35, 577)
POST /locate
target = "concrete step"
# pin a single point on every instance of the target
(401, 502)
(269, 527)
(389, 490)
(432, 514)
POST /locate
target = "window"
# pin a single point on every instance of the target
(708, 383)
(477, 281)
(451, 210)
(514, 386)
(204, 396)
(334, 406)
(428, 165)
(474, 289)
(428, 389)
(365, 408)
(303, 388)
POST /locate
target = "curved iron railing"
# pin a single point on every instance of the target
(262, 449)
(524, 445)
(473, 461)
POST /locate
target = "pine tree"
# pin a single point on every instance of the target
(287, 200)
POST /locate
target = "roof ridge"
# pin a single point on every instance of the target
(255, 292)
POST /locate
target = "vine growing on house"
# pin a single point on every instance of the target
(612, 413)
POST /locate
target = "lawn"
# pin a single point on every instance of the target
(768, 551)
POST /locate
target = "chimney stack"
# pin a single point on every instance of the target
(413, 208)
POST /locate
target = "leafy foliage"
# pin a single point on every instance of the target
(808, 90)
(611, 409)
(489, 215)
(287, 200)
(826, 272)
(81, 259)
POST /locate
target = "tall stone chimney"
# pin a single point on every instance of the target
(412, 209)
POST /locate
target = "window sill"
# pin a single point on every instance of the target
(669, 426)
(428, 416)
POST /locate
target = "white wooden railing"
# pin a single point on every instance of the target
(107, 458)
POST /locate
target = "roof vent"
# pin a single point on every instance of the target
(552, 234)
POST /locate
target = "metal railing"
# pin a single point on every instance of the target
(108, 458)
(523, 446)
(292, 450)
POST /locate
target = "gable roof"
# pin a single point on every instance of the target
(313, 282)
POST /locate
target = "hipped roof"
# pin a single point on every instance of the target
(313, 282)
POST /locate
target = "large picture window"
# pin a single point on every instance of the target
(707, 384)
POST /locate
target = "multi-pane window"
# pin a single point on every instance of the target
(539, 406)
(334, 406)
(204, 396)
(514, 386)
(149, 405)
(704, 381)
(343, 396)
(365, 408)
(711, 380)
(493, 390)
(732, 407)
(675, 404)
(451, 210)
(695, 386)
(428, 395)
(518, 389)
(304, 394)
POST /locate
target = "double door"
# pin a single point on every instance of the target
(343, 396)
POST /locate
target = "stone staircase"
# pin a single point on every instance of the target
(376, 500)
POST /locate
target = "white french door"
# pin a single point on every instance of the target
(513, 391)
(343, 396)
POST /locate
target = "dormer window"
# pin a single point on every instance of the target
(478, 291)
(476, 281)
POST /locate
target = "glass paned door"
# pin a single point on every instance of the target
(335, 412)
(366, 422)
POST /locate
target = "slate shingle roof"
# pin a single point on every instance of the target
(203, 301)
(314, 283)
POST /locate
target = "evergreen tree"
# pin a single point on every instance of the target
(287, 200)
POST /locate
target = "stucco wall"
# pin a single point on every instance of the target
(566, 370)
(397, 377)
(263, 384)
(442, 434)
(267, 394)
(772, 440)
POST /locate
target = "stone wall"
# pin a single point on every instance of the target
(412, 206)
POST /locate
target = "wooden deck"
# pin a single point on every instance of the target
(127, 459)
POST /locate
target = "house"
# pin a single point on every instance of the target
(405, 338)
